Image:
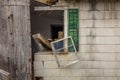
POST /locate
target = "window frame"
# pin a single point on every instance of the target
(65, 16)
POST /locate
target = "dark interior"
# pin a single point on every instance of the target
(54, 31)
(46, 22)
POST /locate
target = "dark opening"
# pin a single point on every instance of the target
(39, 78)
(56, 31)
(47, 23)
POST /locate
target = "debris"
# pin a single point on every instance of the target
(48, 2)
(39, 39)
(4, 75)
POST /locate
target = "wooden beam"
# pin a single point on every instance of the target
(4, 75)
(48, 2)
(39, 8)
(49, 8)
(44, 2)
(15, 39)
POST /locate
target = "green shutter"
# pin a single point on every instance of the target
(73, 26)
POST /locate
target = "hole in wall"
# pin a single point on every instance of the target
(39, 78)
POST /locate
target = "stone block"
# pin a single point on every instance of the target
(100, 40)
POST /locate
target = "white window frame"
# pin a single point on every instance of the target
(56, 53)
(65, 22)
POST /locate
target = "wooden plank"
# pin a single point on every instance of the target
(39, 8)
(49, 8)
(44, 2)
(15, 41)
(3, 40)
(40, 39)
(4, 75)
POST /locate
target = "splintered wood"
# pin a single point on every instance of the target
(40, 39)
(47, 2)
(4, 75)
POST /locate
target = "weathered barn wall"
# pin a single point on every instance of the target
(99, 33)
(15, 42)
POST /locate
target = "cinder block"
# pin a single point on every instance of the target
(112, 72)
(99, 32)
(50, 64)
(38, 65)
(95, 65)
(100, 6)
(105, 65)
(84, 6)
(40, 57)
(103, 78)
(100, 56)
(99, 23)
(118, 14)
(79, 72)
(118, 23)
(100, 40)
(110, 15)
(100, 48)
(102, 23)
(93, 53)
(98, 15)
(86, 15)
(117, 5)
(111, 23)
(57, 72)
(83, 23)
(107, 15)
(64, 78)
(39, 73)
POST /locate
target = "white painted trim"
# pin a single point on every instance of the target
(65, 22)
(39, 8)
(49, 8)
(56, 54)
(66, 26)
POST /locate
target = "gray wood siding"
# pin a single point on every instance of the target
(15, 41)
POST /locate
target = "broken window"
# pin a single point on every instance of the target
(53, 24)
(59, 47)
(49, 25)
